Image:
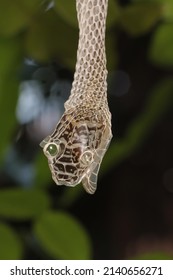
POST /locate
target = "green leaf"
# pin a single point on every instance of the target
(19, 204)
(45, 40)
(15, 15)
(11, 247)
(139, 18)
(62, 236)
(66, 9)
(167, 7)
(10, 59)
(161, 48)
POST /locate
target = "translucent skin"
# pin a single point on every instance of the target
(83, 134)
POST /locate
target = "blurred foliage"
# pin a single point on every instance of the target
(19, 12)
(10, 57)
(160, 100)
(18, 204)
(62, 236)
(162, 44)
(154, 256)
(29, 29)
(140, 18)
(67, 11)
(43, 176)
(11, 246)
(43, 40)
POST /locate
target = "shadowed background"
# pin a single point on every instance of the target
(130, 215)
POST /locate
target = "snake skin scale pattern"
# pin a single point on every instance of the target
(77, 146)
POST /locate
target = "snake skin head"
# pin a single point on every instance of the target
(76, 148)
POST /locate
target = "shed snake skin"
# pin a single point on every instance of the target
(77, 146)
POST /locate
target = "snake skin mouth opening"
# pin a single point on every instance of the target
(64, 179)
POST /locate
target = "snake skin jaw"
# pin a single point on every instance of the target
(77, 146)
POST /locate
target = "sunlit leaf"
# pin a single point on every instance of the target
(138, 19)
(15, 15)
(161, 48)
(167, 9)
(66, 9)
(11, 247)
(62, 236)
(10, 59)
(22, 204)
(45, 40)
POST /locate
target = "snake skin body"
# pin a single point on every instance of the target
(83, 134)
